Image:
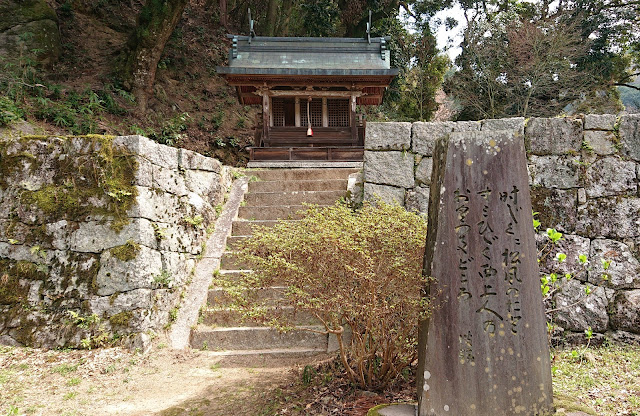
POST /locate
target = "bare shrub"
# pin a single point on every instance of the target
(361, 269)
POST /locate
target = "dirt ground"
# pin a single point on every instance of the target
(118, 382)
(600, 381)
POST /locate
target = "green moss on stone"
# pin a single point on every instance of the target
(27, 155)
(13, 292)
(98, 181)
(30, 235)
(25, 12)
(105, 138)
(121, 319)
(112, 298)
(24, 333)
(34, 137)
(79, 269)
(91, 178)
(127, 251)
(51, 198)
(565, 405)
(29, 270)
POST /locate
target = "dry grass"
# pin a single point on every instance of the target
(35, 382)
(114, 381)
(605, 379)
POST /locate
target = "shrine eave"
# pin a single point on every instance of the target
(308, 72)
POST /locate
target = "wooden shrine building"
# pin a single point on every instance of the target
(309, 82)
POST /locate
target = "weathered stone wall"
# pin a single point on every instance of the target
(99, 235)
(584, 175)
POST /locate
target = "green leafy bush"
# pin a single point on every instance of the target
(8, 111)
(356, 269)
(172, 130)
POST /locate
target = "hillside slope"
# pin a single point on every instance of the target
(191, 106)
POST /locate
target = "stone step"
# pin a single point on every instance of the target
(277, 194)
(245, 227)
(231, 275)
(254, 338)
(303, 185)
(234, 240)
(302, 174)
(272, 212)
(217, 297)
(270, 354)
(230, 261)
(225, 317)
(293, 198)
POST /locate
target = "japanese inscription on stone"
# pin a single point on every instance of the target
(484, 350)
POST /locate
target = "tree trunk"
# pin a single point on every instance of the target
(272, 13)
(358, 29)
(223, 13)
(285, 12)
(156, 22)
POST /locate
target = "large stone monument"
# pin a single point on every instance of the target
(484, 350)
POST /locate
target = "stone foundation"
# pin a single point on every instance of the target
(99, 235)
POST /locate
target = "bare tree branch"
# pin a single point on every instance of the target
(629, 76)
(627, 85)
(407, 9)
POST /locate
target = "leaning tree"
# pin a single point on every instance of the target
(140, 57)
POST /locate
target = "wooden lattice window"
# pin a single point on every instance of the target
(277, 112)
(315, 108)
(283, 111)
(338, 112)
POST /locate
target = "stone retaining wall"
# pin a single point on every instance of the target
(99, 235)
(584, 175)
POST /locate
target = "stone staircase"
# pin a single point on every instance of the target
(277, 194)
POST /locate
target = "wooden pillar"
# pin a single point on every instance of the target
(354, 121)
(325, 113)
(265, 117)
(297, 111)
